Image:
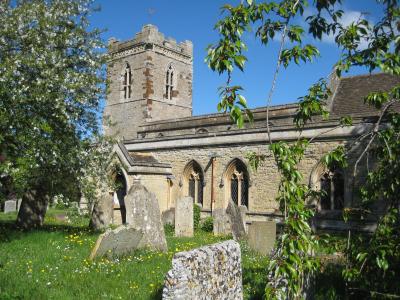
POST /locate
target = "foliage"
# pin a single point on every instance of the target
(207, 224)
(196, 216)
(51, 82)
(291, 263)
(374, 260)
(169, 228)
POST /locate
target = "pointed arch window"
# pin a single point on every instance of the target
(238, 183)
(169, 82)
(332, 184)
(127, 82)
(194, 182)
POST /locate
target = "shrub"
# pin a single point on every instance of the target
(169, 228)
(196, 216)
(208, 224)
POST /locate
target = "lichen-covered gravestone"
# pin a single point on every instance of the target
(119, 241)
(102, 212)
(211, 272)
(236, 221)
(221, 222)
(10, 206)
(184, 217)
(229, 220)
(261, 236)
(143, 213)
(168, 216)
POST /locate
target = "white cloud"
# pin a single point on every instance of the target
(348, 17)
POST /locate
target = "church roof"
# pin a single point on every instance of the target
(347, 100)
(351, 91)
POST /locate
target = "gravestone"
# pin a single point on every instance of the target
(184, 217)
(19, 201)
(261, 236)
(229, 221)
(10, 206)
(236, 221)
(102, 212)
(210, 272)
(221, 222)
(168, 216)
(143, 213)
(119, 241)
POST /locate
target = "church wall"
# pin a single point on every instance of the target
(264, 182)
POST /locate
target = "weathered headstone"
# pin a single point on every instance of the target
(10, 206)
(19, 201)
(184, 217)
(102, 212)
(119, 241)
(143, 213)
(236, 221)
(221, 222)
(261, 236)
(211, 272)
(168, 216)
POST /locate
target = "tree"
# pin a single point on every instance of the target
(293, 260)
(51, 82)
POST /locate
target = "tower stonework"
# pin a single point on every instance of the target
(149, 79)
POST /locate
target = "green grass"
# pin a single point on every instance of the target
(52, 263)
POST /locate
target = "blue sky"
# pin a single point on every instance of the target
(194, 20)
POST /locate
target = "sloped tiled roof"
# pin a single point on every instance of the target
(349, 97)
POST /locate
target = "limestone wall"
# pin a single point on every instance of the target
(211, 272)
(263, 184)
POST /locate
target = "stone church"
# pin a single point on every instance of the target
(175, 154)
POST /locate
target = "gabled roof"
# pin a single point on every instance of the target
(351, 91)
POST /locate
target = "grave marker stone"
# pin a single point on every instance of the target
(143, 213)
(184, 217)
(119, 241)
(261, 236)
(10, 206)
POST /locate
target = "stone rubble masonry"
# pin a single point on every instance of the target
(10, 206)
(143, 213)
(184, 217)
(210, 272)
(261, 236)
(119, 241)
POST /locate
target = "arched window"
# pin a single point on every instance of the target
(127, 82)
(194, 181)
(169, 82)
(332, 184)
(237, 187)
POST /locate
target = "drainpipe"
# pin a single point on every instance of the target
(212, 184)
(213, 156)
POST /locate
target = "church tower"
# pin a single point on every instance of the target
(149, 79)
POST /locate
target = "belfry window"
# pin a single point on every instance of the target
(238, 187)
(127, 82)
(169, 83)
(332, 185)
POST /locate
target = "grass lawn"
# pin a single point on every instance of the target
(52, 263)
